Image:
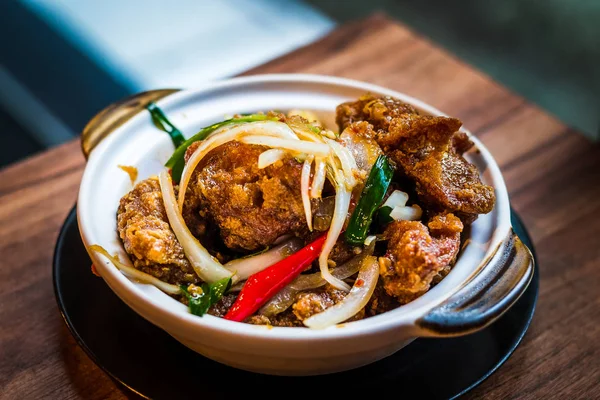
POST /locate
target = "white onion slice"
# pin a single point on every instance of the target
(237, 287)
(304, 131)
(275, 129)
(304, 182)
(404, 213)
(346, 160)
(269, 157)
(208, 268)
(342, 203)
(318, 180)
(133, 273)
(301, 146)
(397, 198)
(359, 296)
(369, 239)
(246, 266)
(268, 128)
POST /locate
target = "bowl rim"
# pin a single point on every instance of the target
(153, 310)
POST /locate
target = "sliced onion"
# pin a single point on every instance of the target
(359, 296)
(237, 287)
(280, 302)
(301, 146)
(246, 266)
(304, 182)
(269, 157)
(397, 198)
(370, 239)
(286, 297)
(268, 128)
(364, 150)
(208, 268)
(277, 129)
(346, 270)
(133, 273)
(323, 213)
(318, 180)
(305, 131)
(404, 213)
(342, 203)
(346, 160)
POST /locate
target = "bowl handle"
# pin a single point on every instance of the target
(115, 115)
(498, 285)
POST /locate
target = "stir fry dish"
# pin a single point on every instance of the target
(275, 219)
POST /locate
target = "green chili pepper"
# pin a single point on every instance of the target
(371, 197)
(382, 216)
(211, 293)
(177, 160)
(161, 122)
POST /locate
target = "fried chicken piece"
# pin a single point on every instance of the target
(378, 111)
(251, 207)
(461, 142)
(428, 150)
(286, 318)
(313, 302)
(220, 308)
(417, 254)
(380, 301)
(147, 236)
(423, 146)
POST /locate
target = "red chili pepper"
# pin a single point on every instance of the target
(263, 285)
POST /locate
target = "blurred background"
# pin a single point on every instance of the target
(61, 61)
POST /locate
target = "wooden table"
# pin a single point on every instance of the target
(552, 173)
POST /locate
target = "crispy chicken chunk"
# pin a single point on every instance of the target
(425, 149)
(220, 308)
(316, 301)
(144, 228)
(428, 150)
(378, 111)
(380, 301)
(251, 207)
(417, 254)
(286, 318)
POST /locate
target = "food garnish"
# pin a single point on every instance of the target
(371, 197)
(160, 120)
(201, 298)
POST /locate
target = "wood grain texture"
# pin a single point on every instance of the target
(552, 173)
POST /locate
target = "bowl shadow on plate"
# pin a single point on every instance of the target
(84, 379)
(145, 359)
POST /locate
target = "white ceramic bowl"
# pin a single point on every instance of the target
(491, 273)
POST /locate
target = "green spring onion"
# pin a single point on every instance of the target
(382, 216)
(371, 197)
(160, 120)
(200, 301)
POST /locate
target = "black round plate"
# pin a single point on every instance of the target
(150, 362)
